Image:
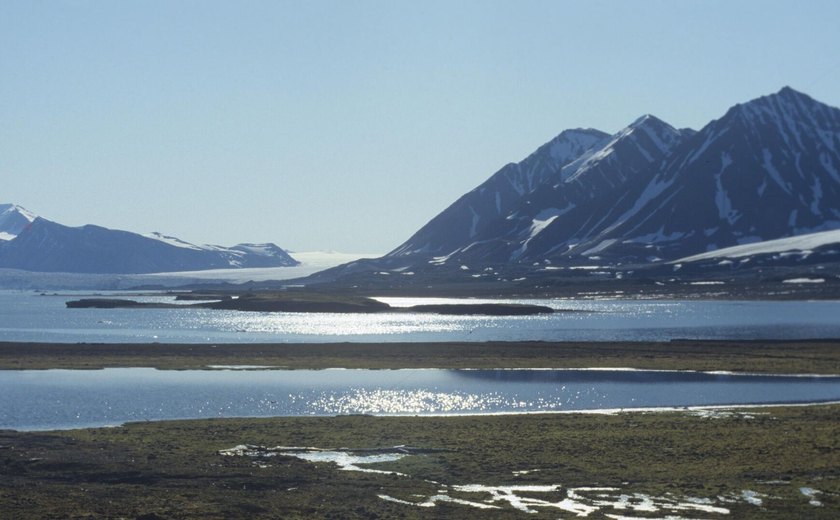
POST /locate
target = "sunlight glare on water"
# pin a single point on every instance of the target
(410, 402)
(330, 324)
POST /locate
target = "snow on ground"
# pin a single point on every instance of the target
(528, 498)
(797, 243)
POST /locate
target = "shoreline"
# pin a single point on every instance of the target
(797, 357)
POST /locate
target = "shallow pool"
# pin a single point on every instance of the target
(58, 399)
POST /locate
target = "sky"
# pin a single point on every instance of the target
(347, 125)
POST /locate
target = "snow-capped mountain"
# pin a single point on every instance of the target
(13, 220)
(768, 169)
(42, 245)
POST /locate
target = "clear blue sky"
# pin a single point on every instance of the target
(347, 125)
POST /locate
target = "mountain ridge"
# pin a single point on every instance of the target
(42, 245)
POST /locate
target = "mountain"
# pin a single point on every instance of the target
(42, 245)
(478, 211)
(649, 194)
(583, 199)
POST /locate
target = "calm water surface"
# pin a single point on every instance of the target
(26, 316)
(56, 399)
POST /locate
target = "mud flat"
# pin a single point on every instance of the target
(772, 357)
(742, 463)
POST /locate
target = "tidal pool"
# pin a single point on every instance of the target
(61, 399)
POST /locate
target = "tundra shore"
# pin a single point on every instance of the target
(772, 357)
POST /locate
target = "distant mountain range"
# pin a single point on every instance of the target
(32, 243)
(648, 195)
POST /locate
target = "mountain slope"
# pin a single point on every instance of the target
(477, 212)
(47, 246)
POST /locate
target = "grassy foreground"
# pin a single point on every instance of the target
(174, 470)
(794, 357)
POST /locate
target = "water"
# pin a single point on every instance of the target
(57, 399)
(26, 316)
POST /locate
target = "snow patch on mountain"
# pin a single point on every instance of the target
(772, 171)
(724, 204)
(172, 241)
(257, 249)
(802, 243)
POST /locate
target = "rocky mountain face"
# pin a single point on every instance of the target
(38, 244)
(767, 169)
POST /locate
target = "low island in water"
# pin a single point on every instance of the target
(310, 302)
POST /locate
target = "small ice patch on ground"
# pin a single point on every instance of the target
(752, 497)
(347, 461)
(723, 414)
(804, 280)
(433, 500)
(811, 493)
(524, 471)
(243, 367)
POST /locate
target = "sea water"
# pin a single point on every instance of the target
(27, 316)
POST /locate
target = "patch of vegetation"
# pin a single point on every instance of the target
(173, 469)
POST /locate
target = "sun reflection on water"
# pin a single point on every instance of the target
(409, 402)
(329, 324)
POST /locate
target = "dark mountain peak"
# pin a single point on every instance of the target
(664, 134)
(647, 119)
(566, 147)
(790, 94)
(647, 139)
(784, 95)
(651, 122)
(787, 107)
